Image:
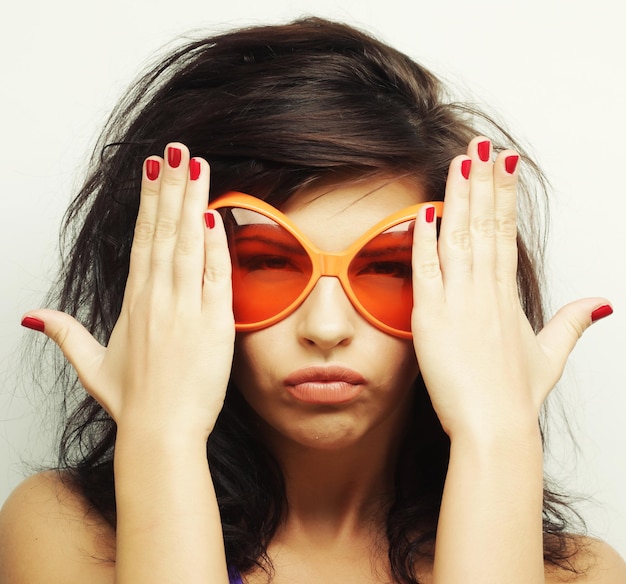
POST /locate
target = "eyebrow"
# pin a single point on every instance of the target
(376, 247)
(373, 248)
(296, 249)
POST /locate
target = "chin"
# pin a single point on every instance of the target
(327, 433)
(327, 441)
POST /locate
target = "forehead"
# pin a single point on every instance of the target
(333, 217)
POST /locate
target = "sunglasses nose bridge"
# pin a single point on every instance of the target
(330, 264)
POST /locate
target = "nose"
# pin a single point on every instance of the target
(326, 317)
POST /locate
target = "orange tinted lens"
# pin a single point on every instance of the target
(270, 267)
(380, 276)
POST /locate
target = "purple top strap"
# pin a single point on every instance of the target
(234, 577)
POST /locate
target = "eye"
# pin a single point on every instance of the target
(267, 262)
(393, 269)
(267, 249)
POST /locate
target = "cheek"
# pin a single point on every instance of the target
(401, 354)
(260, 354)
(256, 375)
(256, 357)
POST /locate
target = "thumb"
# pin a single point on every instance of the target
(76, 342)
(562, 332)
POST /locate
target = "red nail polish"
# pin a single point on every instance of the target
(174, 156)
(466, 166)
(194, 169)
(209, 219)
(601, 312)
(484, 150)
(33, 323)
(430, 214)
(153, 167)
(510, 163)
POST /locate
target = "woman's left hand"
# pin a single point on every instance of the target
(483, 365)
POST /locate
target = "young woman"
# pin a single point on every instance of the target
(324, 377)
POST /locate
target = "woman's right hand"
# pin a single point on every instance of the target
(167, 363)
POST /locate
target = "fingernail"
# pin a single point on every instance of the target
(209, 219)
(430, 214)
(152, 169)
(466, 166)
(484, 150)
(601, 312)
(510, 163)
(174, 156)
(194, 169)
(33, 323)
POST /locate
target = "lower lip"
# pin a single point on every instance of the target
(325, 392)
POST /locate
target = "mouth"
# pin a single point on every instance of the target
(325, 385)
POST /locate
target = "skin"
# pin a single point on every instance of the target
(176, 330)
(338, 459)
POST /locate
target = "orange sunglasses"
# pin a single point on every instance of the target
(275, 266)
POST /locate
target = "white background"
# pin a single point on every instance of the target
(554, 70)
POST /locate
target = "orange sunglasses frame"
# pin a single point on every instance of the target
(324, 263)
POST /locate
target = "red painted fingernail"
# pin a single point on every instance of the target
(153, 167)
(209, 219)
(510, 163)
(601, 312)
(430, 214)
(466, 166)
(174, 156)
(33, 323)
(484, 150)
(194, 169)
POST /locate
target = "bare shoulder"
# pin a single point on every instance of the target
(597, 563)
(48, 533)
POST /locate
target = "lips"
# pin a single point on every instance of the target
(325, 385)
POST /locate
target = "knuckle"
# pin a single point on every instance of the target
(507, 185)
(216, 274)
(149, 190)
(484, 226)
(144, 231)
(187, 244)
(507, 227)
(174, 180)
(574, 326)
(482, 175)
(60, 337)
(165, 229)
(460, 239)
(427, 269)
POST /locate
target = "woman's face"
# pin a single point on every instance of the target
(324, 377)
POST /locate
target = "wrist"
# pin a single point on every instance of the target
(163, 434)
(487, 426)
(140, 447)
(499, 440)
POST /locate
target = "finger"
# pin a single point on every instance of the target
(454, 239)
(427, 278)
(217, 281)
(141, 250)
(482, 209)
(171, 196)
(77, 344)
(189, 253)
(560, 335)
(505, 185)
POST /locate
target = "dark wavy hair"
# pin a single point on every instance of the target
(274, 109)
